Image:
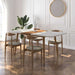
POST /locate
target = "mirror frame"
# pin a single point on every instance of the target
(64, 10)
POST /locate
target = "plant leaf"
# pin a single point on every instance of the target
(30, 26)
(16, 28)
(26, 19)
(20, 21)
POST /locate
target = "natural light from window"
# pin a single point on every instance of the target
(3, 22)
(0, 21)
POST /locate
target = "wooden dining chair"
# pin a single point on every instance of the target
(32, 48)
(56, 42)
(38, 38)
(11, 42)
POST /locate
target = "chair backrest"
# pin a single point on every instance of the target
(25, 43)
(36, 29)
(59, 36)
(10, 39)
(56, 31)
(31, 38)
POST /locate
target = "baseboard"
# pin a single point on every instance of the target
(69, 47)
(66, 47)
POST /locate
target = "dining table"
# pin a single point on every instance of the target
(43, 34)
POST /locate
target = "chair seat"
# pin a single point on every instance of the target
(14, 43)
(53, 42)
(36, 48)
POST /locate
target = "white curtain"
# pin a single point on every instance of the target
(3, 3)
(4, 18)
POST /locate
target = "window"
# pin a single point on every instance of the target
(1, 15)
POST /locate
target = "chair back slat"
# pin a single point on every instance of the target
(10, 34)
(56, 31)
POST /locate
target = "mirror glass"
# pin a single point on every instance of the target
(57, 8)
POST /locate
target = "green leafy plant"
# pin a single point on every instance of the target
(23, 21)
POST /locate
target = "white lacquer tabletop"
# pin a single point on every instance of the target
(49, 34)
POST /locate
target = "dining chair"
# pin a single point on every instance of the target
(56, 41)
(11, 41)
(37, 39)
(33, 48)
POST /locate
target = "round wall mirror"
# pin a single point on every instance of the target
(57, 8)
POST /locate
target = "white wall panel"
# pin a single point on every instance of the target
(39, 12)
(10, 14)
(72, 13)
(72, 23)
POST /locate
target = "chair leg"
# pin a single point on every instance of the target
(62, 48)
(32, 59)
(15, 50)
(37, 45)
(29, 42)
(5, 51)
(54, 49)
(57, 49)
(41, 58)
(20, 49)
(23, 56)
(11, 53)
(48, 49)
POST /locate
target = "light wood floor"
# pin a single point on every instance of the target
(64, 66)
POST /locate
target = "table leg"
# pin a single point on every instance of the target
(57, 50)
(56, 46)
(44, 50)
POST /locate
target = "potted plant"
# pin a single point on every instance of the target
(23, 21)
